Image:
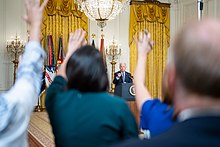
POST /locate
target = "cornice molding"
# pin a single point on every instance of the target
(150, 2)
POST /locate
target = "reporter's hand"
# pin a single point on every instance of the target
(34, 17)
(144, 43)
(76, 40)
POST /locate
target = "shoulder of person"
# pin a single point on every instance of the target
(128, 73)
(154, 104)
(117, 72)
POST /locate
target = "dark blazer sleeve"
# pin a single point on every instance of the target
(129, 78)
(115, 81)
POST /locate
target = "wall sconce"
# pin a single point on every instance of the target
(15, 48)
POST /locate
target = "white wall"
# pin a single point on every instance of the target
(184, 11)
(2, 38)
(11, 12)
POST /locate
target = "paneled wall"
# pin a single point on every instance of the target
(183, 11)
(11, 12)
(2, 38)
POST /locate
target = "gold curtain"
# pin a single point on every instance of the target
(155, 17)
(60, 18)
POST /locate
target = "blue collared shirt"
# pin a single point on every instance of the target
(16, 105)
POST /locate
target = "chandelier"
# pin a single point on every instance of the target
(15, 47)
(102, 10)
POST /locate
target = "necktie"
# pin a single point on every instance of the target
(123, 76)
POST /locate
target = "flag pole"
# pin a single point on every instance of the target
(200, 9)
(93, 41)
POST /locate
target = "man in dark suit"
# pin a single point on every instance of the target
(122, 76)
(193, 79)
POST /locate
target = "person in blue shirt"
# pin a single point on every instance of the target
(156, 116)
(17, 104)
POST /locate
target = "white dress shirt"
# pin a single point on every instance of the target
(123, 76)
(16, 105)
(198, 112)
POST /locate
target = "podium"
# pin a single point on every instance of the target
(126, 91)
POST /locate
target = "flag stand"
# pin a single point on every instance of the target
(37, 108)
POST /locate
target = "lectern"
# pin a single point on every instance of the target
(126, 91)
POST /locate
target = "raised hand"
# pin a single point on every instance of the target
(144, 43)
(34, 17)
(76, 40)
(119, 75)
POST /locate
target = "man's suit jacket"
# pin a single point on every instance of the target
(128, 78)
(194, 132)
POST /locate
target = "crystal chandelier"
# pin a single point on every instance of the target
(102, 10)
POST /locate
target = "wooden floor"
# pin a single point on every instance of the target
(32, 141)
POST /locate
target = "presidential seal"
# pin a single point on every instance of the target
(132, 90)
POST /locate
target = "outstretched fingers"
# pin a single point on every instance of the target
(82, 36)
(43, 5)
(135, 39)
(75, 35)
(144, 43)
(147, 38)
(27, 7)
(141, 37)
(76, 40)
(27, 4)
(146, 35)
(84, 42)
(71, 37)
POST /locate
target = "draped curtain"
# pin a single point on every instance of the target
(60, 18)
(155, 17)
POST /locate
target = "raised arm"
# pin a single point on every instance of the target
(144, 47)
(27, 85)
(76, 40)
(19, 101)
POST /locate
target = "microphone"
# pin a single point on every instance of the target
(131, 77)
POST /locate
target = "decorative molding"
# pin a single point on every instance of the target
(150, 2)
